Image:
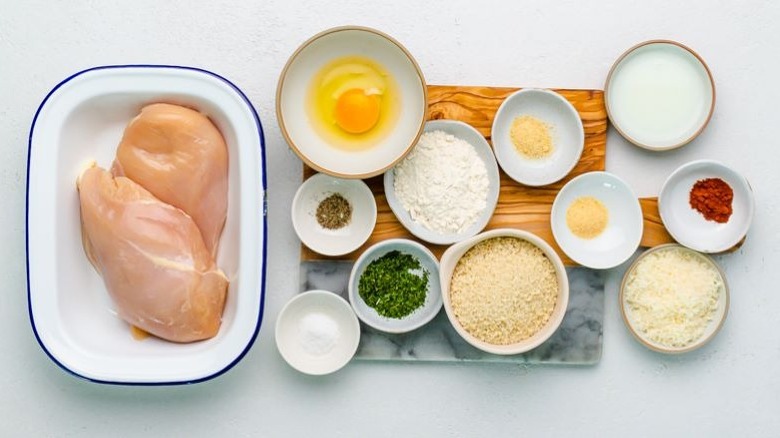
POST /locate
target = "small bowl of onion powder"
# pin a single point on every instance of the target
(674, 299)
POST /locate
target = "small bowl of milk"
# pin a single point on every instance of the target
(660, 95)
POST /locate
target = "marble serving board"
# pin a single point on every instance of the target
(577, 342)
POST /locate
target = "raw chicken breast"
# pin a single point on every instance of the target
(152, 258)
(181, 158)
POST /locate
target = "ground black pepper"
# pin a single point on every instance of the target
(334, 212)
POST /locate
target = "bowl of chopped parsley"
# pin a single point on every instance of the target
(394, 286)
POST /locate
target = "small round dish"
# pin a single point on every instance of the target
(659, 95)
(688, 226)
(714, 326)
(566, 130)
(465, 132)
(338, 241)
(420, 316)
(299, 130)
(452, 256)
(317, 333)
(625, 223)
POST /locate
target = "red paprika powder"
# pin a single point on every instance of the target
(712, 198)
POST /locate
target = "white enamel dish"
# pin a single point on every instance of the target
(566, 130)
(288, 332)
(343, 240)
(624, 228)
(417, 318)
(291, 104)
(82, 120)
(688, 226)
(465, 132)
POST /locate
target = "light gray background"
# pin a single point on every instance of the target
(731, 387)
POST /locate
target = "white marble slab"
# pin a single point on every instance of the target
(577, 342)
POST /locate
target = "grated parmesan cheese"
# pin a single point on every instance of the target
(503, 290)
(672, 295)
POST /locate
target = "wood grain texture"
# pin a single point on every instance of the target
(519, 206)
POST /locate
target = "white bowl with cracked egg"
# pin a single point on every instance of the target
(468, 133)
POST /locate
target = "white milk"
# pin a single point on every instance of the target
(660, 95)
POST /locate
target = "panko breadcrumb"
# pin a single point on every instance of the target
(504, 290)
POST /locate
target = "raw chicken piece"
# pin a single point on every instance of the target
(181, 158)
(152, 258)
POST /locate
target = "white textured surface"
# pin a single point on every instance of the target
(729, 388)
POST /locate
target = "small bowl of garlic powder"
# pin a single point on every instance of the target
(673, 299)
(597, 221)
(537, 136)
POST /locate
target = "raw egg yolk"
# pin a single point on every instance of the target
(356, 112)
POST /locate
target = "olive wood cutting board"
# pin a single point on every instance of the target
(519, 206)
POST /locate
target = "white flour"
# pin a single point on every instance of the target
(442, 183)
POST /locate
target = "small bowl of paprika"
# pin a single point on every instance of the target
(707, 206)
(394, 286)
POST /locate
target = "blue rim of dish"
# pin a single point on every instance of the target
(265, 225)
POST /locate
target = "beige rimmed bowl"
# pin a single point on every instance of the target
(633, 58)
(301, 134)
(449, 260)
(709, 333)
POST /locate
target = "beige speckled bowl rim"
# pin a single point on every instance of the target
(645, 145)
(671, 350)
(552, 325)
(283, 76)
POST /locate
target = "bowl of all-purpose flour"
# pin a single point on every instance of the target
(446, 189)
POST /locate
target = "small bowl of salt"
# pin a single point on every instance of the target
(447, 188)
(317, 332)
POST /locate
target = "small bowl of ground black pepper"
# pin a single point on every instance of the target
(394, 286)
(707, 206)
(333, 216)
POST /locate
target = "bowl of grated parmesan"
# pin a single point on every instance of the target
(673, 299)
(505, 291)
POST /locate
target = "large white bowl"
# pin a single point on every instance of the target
(687, 225)
(420, 316)
(465, 132)
(291, 103)
(81, 120)
(343, 240)
(323, 303)
(624, 229)
(449, 260)
(567, 132)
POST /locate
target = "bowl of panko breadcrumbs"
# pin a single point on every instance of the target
(505, 291)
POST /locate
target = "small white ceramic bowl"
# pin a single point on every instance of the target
(416, 319)
(465, 132)
(659, 95)
(567, 133)
(624, 228)
(327, 312)
(712, 329)
(449, 261)
(291, 102)
(81, 121)
(688, 226)
(339, 241)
